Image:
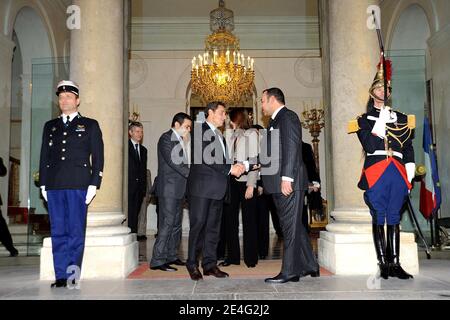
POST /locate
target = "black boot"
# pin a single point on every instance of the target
(380, 248)
(393, 239)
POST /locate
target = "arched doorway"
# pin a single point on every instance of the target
(32, 104)
(410, 55)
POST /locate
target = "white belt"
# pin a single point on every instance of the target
(386, 153)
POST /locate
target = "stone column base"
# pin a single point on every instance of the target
(105, 257)
(354, 254)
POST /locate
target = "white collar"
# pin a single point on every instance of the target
(134, 142)
(213, 127)
(276, 112)
(176, 133)
(71, 116)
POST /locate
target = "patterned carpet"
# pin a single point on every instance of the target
(264, 269)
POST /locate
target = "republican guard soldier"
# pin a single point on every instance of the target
(386, 137)
(70, 172)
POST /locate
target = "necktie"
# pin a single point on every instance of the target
(66, 124)
(136, 146)
(271, 123)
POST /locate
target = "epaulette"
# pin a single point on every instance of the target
(411, 121)
(353, 125)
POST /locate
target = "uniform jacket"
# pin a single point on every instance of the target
(399, 139)
(72, 157)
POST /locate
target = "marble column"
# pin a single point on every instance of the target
(97, 66)
(6, 52)
(347, 246)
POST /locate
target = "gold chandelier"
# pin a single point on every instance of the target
(222, 72)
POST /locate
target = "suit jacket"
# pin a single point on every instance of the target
(137, 169)
(72, 157)
(310, 163)
(2, 174)
(173, 169)
(209, 176)
(288, 161)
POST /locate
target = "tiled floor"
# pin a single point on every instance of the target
(19, 279)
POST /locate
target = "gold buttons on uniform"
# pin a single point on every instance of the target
(63, 150)
(63, 158)
(64, 141)
(65, 133)
(79, 134)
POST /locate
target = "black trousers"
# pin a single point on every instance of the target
(5, 236)
(169, 231)
(262, 217)
(274, 215)
(298, 255)
(135, 198)
(249, 224)
(205, 217)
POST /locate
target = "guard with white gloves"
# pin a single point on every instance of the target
(386, 137)
(70, 172)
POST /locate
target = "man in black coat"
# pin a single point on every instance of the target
(208, 183)
(137, 173)
(5, 235)
(312, 195)
(173, 171)
(70, 171)
(285, 177)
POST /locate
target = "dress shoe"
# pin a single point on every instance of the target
(141, 238)
(194, 273)
(59, 283)
(14, 253)
(178, 262)
(313, 274)
(252, 265)
(226, 264)
(280, 278)
(164, 267)
(216, 272)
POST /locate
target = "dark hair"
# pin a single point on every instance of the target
(240, 117)
(133, 124)
(275, 92)
(213, 106)
(180, 117)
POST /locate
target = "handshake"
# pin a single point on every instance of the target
(240, 168)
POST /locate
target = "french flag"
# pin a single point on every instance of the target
(430, 191)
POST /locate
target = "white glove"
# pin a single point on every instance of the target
(410, 170)
(385, 114)
(44, 193)
(91, 192)
(379, 129)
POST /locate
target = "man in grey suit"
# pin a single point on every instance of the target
(173, 171)
(287, 182)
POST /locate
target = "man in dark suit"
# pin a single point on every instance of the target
(312, 195)
(5, 235)
(173, 171)
(207, 186)
(286, 179)
(70, 171)
(137, 173)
